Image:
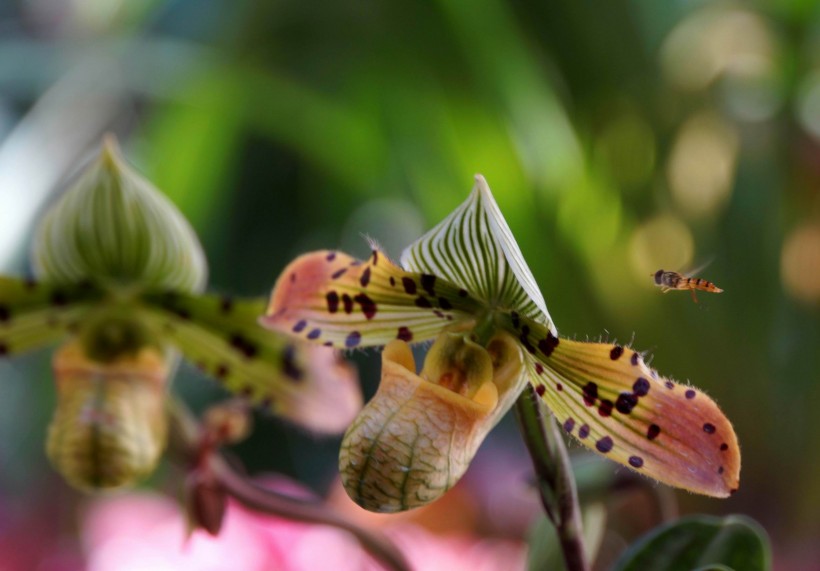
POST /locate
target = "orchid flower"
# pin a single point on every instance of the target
(119, 275)
(466, 285)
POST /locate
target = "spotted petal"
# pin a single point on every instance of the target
(607, 397)
(330, 298)
(474, 248)
(308, 385)
(35, 314)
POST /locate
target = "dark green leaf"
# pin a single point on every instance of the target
(701, 542)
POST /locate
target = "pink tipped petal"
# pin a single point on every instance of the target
(607, 398)
(331, 298)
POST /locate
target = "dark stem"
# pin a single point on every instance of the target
(556, 482)
(186, 444)
(264, 500)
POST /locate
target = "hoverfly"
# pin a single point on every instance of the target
(669, 280)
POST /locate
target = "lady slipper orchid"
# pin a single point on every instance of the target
(465, 284)
(119, 275)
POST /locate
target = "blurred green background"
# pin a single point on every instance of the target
(619, 137)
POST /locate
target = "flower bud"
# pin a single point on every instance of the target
(112, 226)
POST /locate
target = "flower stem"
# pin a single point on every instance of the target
(555, 478)
(186, 446)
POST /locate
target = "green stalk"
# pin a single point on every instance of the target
(556, 482)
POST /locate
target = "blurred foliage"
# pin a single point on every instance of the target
(701, 542)
(618, 138)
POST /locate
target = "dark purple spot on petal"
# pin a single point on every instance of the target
(626, 402)
(243, 345)
(559, 387)
(583, 432)
(720, 470)
(709, 428)
(338, 273)
(669, 385)
(221, 371)
(5, 313)
(314, 334)
(539, 368)
(463, 292)
(375, 257)
(641, 387)
(690, 394)
(635, 461)
(392, 281)
(653, 431)
(59, 298)
(331, 256)
(548, 344)
(569, 424)
(405, 334)
(300, 325)
(616, 352)
(604, 445)
(409, 285)
(635, 359)
(4, 349)
(332, 301)
(347, 301)
(423, 302)
(353, 339)
(364, 279)
(516, 320)
(605, 408)
(368, 305)
(428, 283)
(590, 393)
(724, 447)
(226, 304)
(292, 277)
(444, 303)
(540, 389)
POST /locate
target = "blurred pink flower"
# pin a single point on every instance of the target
(147, 532)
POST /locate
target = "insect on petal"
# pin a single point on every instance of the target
(35, 314)
(330, 298)
(606, 397)
(308, 385)
(474, 248)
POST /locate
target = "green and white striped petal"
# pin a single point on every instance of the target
(331, 298)
(607, 397)
(474, 248)
(308, 385)
(35, 314)
(112, 225)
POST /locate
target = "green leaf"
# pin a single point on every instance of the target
(705, 542)
(308, 385)
(474, 248)
(331, 298)
(113, 225)
(34, 314)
